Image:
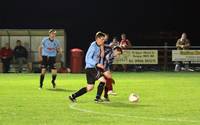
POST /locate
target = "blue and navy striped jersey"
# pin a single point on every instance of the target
(108, 58)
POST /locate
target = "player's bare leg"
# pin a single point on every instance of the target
(109, 82)
(110, 87)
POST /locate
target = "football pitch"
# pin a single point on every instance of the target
(165, 98)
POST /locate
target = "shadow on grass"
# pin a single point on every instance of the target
(127, 105)
(61, 90)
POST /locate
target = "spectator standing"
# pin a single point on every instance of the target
(125, 44)
(114, 43)
(182, 43)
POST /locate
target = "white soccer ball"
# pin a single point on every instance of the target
(133, 97)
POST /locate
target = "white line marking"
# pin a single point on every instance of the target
(73, 106)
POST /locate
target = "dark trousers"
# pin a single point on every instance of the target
(6, 65)
(180, 64)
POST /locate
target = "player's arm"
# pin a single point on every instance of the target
(187, 45)
(59, 49)
(40, 53)
(121, 44)
(101, 61)
(129, 44)
(40, 50)
(25, 52)
(102, 51)
(178, 45)
(111, 44)
(101, 65)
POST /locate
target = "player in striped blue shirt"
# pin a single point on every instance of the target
(109, 55)
(92, 69)
(48, 51)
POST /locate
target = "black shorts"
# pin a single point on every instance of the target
(93, 74)
(48, 61)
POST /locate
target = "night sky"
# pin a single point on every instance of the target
(83, 18)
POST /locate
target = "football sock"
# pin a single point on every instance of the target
(53, 78)
(80, 92)
(109, 84)
(106, 92)
(41, 80)
(100, 90)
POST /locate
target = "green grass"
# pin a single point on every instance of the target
(165, 98)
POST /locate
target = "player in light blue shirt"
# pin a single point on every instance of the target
(49, 47)
(92, 69)
(92, 55)
(48, 51)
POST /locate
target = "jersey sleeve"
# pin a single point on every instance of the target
(58, 44)
(42, 44)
